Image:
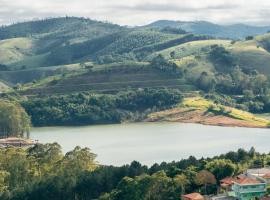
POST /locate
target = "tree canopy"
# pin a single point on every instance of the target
(14, 120)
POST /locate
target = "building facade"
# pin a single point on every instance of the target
(248, 188)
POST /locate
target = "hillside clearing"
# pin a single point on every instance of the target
(199, 110)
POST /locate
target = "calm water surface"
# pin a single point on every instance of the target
(154, 142)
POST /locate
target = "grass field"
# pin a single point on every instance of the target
(3, 87)
(204, 104)
(14, 50)
(190, 48)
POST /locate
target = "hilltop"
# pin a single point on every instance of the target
(234, 31)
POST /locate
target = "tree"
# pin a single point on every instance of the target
(205, 178)
(221, 168)
(181, 181)
(173, 54)
(206, 82)
(14, 121)
(223, 60)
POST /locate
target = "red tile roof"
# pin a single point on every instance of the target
(194, 196)
(227, 181)
(246, 181)
(266, 175)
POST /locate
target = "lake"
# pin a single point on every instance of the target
(152, 143)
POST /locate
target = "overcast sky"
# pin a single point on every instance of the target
(140, 12)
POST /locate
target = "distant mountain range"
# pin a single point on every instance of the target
(235, 31)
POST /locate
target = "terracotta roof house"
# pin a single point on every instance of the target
(246, 188)
(192, 196)
(227, 183)
(262, 173)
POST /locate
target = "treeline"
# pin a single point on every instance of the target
(43, 172)
(88, 108)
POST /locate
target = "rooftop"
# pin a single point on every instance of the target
(14, 141)
(227, 180)
(266, 175)
(246, 181)
(259, 172)
(194, 196)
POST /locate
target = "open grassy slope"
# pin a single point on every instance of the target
(253, 54)
(3, 87)
(36, 74)
(14, 50)
(199, 110)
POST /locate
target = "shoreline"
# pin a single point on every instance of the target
(197, 116)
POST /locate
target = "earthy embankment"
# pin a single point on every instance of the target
(196, 110)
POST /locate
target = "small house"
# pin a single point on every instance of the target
(246, 188)
(192, 196)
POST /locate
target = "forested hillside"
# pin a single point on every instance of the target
(63, 56)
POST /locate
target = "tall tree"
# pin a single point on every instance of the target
(14, 121)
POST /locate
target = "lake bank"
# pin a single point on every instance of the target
(203, 111)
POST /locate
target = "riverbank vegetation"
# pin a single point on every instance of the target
(89, 108)
(44, 172)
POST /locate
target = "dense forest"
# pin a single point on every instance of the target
(43, 172)
(89, 108)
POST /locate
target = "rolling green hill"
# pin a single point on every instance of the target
(63, 56)
(111, 78)
(14, 50)
(235, 31)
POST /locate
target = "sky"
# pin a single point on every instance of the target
(140, 12)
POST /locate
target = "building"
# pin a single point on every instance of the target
(17, 142)
(227, 183)
(246, 188)
(262, 174)
(192, 196)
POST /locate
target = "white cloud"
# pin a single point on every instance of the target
(138, 12)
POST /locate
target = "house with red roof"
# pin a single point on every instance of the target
(227, 183)
(192, 196)
(261, 173)
(246, 188)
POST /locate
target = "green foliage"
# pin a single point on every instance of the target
(13, 119)
(87, 108)
(157, 186)
(27, 173)
(221, 168)
(222, 59)
(173, 30)
(3, 67)
(43, 172)
(206, 82)
(162, 64)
